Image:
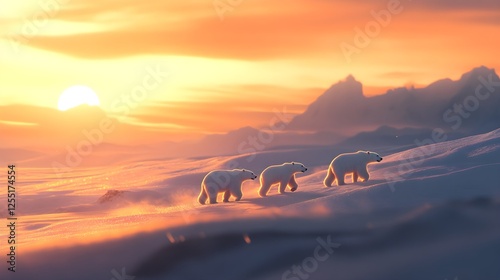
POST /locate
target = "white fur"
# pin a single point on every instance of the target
(350, 163)
(227, 181)
(283, 174)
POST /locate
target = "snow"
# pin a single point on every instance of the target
(430, 212)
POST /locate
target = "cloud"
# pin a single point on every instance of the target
(227, 108)
(401, 74)
(257, 31)
(459, 4)
(441, 5)
(51, 130)
(46, 125)
(213, 110)
(490, 18)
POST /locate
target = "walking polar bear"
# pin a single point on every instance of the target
(283, 174)
(355, 163)
(227, 181)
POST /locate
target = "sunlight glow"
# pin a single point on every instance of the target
(77, 95)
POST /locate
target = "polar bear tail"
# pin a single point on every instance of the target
(202, 198)
(330, 177)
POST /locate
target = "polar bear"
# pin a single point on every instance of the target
(283, 174)
(227, 181)
(354, 163)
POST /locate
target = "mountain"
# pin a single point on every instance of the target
(344, 117)
(468, 104)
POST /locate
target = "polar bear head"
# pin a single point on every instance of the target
(247, 174)
(298, 167)
(373, 157)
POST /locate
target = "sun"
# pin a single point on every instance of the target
(77, 95)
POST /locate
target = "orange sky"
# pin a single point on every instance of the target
(231, 70)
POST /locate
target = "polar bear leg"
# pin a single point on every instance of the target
(282, 186)
(330, 177)
(363, 173)
(227, 195)
(237, 193)
(292, 184)
(264, 187)
(340, 179)
(354, 177)
(202, 198)
(212, 196)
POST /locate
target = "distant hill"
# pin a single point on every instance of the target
(392, 139)
(246, 140)
(15, 156)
